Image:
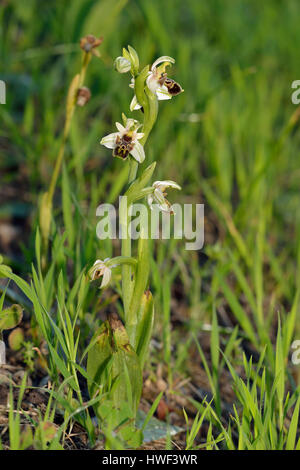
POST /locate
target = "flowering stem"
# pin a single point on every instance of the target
(133, 291)
(69, 115)
(46, 206)
(126, 251)
(141, 280)
(133, 168)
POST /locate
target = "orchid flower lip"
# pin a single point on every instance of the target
(159, 195)
(159, 83)
(100, 269)
(126, 141)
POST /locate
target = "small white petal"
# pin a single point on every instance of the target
(120, 127)
(139, 135)
(109, 141)
(159, 197)
(97, 266)
(165, 207)
(132, 124)
(152, 83)
(138, 152)
(162, 185)
(106, 277)
(163, 58)
(162, 93)
(150, 201)
(134, 105)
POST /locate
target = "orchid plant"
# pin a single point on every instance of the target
(119, 348)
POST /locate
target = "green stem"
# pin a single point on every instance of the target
(133, 168)
(69, 115)
(141, 280)
(126, 251)
(149, 103)
(57, 168)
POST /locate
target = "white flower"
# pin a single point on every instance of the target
(159, 194)
(100, 269)
(155, 81)
(158, 82)
(126, 141)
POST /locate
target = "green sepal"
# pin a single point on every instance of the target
(134, 59)
(150, 110)
(139, 86)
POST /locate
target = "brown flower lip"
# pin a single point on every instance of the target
(123, 146)
(173, 87)
(83, 96)
(90, 42)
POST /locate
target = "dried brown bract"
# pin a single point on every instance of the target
(89, 43)
(83, 96)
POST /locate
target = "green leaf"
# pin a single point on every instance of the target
(144, 327)
(139, 184)
(291, 439)
(279, 372)
(10, 317)
(98, 358)
(113, 367)
(126, 367)
(67, 207)
(152, 409)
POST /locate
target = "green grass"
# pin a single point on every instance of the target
(230, 140)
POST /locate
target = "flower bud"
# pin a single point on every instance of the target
(89, 43)
(83, 96)
(122, 65)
